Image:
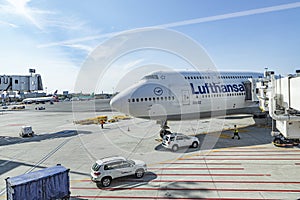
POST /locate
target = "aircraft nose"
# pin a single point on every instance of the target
(118, 103)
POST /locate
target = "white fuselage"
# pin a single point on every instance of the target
(185, 95)
(40, 99)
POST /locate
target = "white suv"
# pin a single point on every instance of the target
(106, 169)
(176, 140)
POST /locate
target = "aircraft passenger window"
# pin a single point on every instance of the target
(173, 97)
(194, 77)
(188, 77)
(146, 99)
(161, 98)
(185, 78)
(169, 98)
(137, 100)
(157, 98)
(128, 100)
(133, 100)
(142, 99)
(166, 98)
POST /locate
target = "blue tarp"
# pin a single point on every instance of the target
(49, 183)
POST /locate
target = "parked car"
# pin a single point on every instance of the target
(174, 141)
(107, 169)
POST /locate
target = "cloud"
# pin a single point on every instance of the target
(133, 63)
(86, 48)
(8, 24)
(185, 22)
(83, 39)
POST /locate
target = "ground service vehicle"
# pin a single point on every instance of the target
(175, 141)
(49, 183)
(26, 131)
(107, 169)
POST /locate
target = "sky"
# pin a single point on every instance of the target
(57, 37)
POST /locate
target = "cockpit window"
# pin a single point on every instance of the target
(150, 77)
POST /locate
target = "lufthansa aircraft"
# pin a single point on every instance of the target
(171, 95)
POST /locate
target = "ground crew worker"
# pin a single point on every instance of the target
(101, 122)
(235, 133)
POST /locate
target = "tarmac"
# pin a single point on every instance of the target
(221, 168)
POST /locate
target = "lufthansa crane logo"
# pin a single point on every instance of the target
(158, 91)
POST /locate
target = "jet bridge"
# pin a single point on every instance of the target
(280, 98)
(21, 83)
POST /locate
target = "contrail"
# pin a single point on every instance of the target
(233, 15)
(187, 22)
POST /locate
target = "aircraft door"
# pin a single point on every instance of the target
(248, 90)
(185, 97)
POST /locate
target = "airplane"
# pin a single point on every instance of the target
(184, 95)
(51, 99)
